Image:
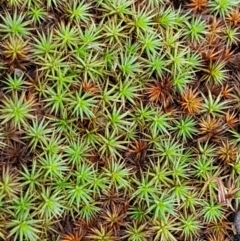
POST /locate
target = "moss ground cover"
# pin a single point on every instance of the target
(119, 120)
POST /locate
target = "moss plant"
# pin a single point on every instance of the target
(14, 25)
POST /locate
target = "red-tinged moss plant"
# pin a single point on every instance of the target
(74, 236)
(137, 153)
(110, 198)
(214, 89)
(80, 225)
(197, 5)
(15, 153)
(231, 119)
(226, 91)
(236, 94)
(213, 50)
(15, 49)
(11, 134)
(211, 128)
(227, 152)
(227, 54)
(220, 229)
(191, 102)
(216, 189)
(210, 52)
(215, 29)
(231, 193)
(160, 92)
(234, 17)
(90, 87)
(113, 217)
(211, 237)
(101, 234)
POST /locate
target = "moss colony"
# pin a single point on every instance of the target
(119, 120)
